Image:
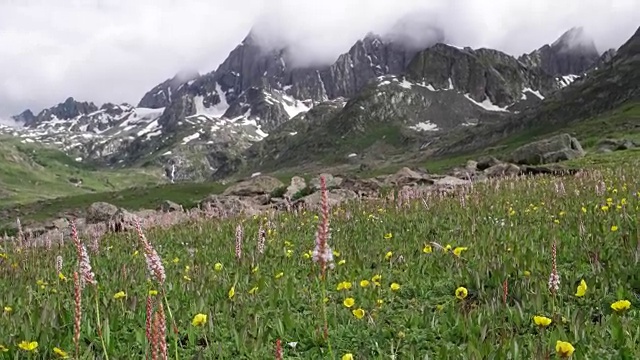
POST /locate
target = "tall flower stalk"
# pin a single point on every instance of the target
(323, 255)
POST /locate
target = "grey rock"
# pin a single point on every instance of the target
(608, 145)
(335, 197)
(223, 206)
(297, 184)
(406, 176)
(259, 185)
(501, 170)
(557, 148)
(331, 181)
(169, 206)
(100, 212)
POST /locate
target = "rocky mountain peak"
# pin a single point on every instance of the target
(161, 95)
(573, 53)
(632, 46)
(575, 39)
(26, 117)
(69, 109)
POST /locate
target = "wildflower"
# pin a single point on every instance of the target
(217, 267)
(119, 295)
(564, 349)
(348, 302)
(186, 278)
(427, 249)
(447, 248)
(379, 302)
(347, 356)
(253, 290)
(239, 237)
(364, 283)
(153, 292)
(527, 273)
(62, 277)
(135, 253)
(176, 260)
(3, 348)
(61, 353)
(307, 255)
(345, 285)
(289, 253)
(394, 287)
(28, 346)
(621, 305)
(457, 251)
(388, 236)
(462, 293)
(582, 288)
(322, 253)
(584, 209)
(336, 253)
(388, 255)
(232, 292)
(199, 320)
(358, 313)
(376, 279)
(614, 228)
(541, 321)
(279, 275)
(8, 309)
(439, 307)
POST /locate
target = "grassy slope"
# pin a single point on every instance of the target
(31, 172)
(422, 319)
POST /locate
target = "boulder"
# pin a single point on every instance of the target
(486, 162)
(169, 206)
(297, 184)
(406, 176)
(609, 145)
(554, 149)
(100, 212)
(259, 185)
(332, 182)
(335, 197)
(502, 169)
(223, 206)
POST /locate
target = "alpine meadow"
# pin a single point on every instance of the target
(405, 200)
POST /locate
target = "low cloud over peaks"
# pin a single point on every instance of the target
(116, 50)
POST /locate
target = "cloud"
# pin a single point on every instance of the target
(116, 50)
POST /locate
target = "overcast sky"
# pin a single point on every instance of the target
(116, 50)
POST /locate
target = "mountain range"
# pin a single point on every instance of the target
(383, 97)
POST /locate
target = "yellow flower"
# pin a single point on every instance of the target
(279, 275)
(347, 356)
(584, 209)
(364, 283)
(527, 273)
(342, 262)
(287, 244)
(135, 253)
(604, 208)
(388, 255)
(41, 283)
(186, 278)
(345, 285)
(176, 260)
(348, 302)
(439, 307)
(119, 295)
(582, 288)
(614, 228)
(3, 348)
(564, 349)
(232, 292)
(461, 293)
(153, 292)
(427, 249)
(358, 313)
(8, 309)
(61, 353)
(336, 253)
(289, 253)
(621, 305)
(541, 321)
(28, 346)
(199, 320)
(379, 302)
(395, 286)
(62, 277)
(457, 251)
(255, 269)
(307, 255)
(388, 236)
(253, 290)
(217, 267)
(447, 248)
(376, 279)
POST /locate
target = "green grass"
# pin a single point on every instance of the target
(508, 231)
(30, 172)
(134, 198)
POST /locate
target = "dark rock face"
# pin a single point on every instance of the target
(26, 117)
(573, 53)
(483, 73)
(160, 96)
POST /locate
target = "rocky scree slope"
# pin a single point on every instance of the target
(222, 122)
